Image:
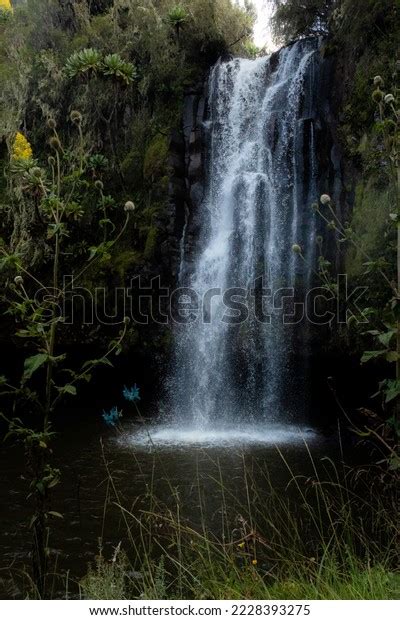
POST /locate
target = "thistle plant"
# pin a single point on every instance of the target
(58, 194)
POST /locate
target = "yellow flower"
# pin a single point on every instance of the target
(241, 545)
(5, 5)
(21, 148)
(254, 562)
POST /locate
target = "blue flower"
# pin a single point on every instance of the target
(131, 394)
(112, 417)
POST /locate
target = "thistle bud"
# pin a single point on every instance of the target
(126, 320)
(76, 117)
(99, 185)
(325, 199)
(296, 249)
(389, 98)
(320, 240)
(36, 172)
(378, 81)
(51, 123)
(315, 206)
(331, 225)
(18, 280)
(377, 96)
(129, 206)
(55, 143)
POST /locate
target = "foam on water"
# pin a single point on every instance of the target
(173, 436)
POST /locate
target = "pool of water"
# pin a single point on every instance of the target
(144, 460)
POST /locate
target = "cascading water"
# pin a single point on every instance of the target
(261, 178)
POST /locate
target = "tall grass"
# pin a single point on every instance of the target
(333, 537)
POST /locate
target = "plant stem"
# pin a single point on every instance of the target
(397, 411)
(53, 328)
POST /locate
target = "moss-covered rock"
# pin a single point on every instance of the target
(125, 261)
(370, 222)
(156, 159)
(151, 243)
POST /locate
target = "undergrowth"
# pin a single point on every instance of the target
(335, 538)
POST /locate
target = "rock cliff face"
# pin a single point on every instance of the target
(187, 163)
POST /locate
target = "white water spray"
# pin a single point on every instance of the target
(261, 179)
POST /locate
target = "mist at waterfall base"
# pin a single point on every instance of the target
(247, 383)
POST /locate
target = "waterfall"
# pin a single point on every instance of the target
(261, 178)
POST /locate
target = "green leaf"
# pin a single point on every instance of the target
(32, 364)
(67, 389)
(385, 338)
(394, 463)
(40, 487)
(392, 356)
(370, 355)
(392, 390)
(33, 521)
(53, 483)
(102, 360)
(53, 513)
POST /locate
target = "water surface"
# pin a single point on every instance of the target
(173, 463)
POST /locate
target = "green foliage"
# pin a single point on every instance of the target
(52, 197)
(121, 67)
(107, 580)
(114, 65)
(90, 62)
(292, 19)
(155, 159)
(371, 223)
(332, 541)
(374, 240)
(87, 61)
(177, 16)
(151, 243)
(124, 262)
(252, 51)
